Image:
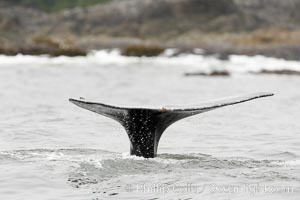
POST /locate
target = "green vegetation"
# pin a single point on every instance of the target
(8, 51)
(44, 45)
(56, 5)
(142, 50)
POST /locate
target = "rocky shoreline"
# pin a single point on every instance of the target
(219, 27)
(288, 52)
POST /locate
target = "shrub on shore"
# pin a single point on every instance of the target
(142, 50)
(45, 46)
(36, 51)
(8, 51)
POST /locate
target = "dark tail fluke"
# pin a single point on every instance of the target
(145, 126)
(112, 112)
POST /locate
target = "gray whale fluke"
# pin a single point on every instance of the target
(145, 126)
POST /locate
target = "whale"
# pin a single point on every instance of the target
(145, 126)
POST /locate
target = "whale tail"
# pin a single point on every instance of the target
(145, 126)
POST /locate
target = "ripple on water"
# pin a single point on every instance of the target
(89, 166)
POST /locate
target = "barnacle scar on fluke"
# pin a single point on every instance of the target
(145, 126)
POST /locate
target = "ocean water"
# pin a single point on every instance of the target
(51, 149)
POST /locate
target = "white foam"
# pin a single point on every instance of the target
(126, 155)
(257, 63)
(292, 163)
(189, 62)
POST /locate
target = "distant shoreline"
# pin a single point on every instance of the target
(219, 27)
(195, 62)
(287, 52)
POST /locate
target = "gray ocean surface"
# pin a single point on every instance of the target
(51, 149)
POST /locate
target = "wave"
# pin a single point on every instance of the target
(187, 61)
(87, 167)
(284, 155)
(112, 159)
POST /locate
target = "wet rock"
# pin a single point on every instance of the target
(49, 46)
(142, 50)
(8, 51)
(213, 73)
(279, 72)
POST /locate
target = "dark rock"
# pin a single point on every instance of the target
(142, 50)
(213, 73)
(279, 72)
